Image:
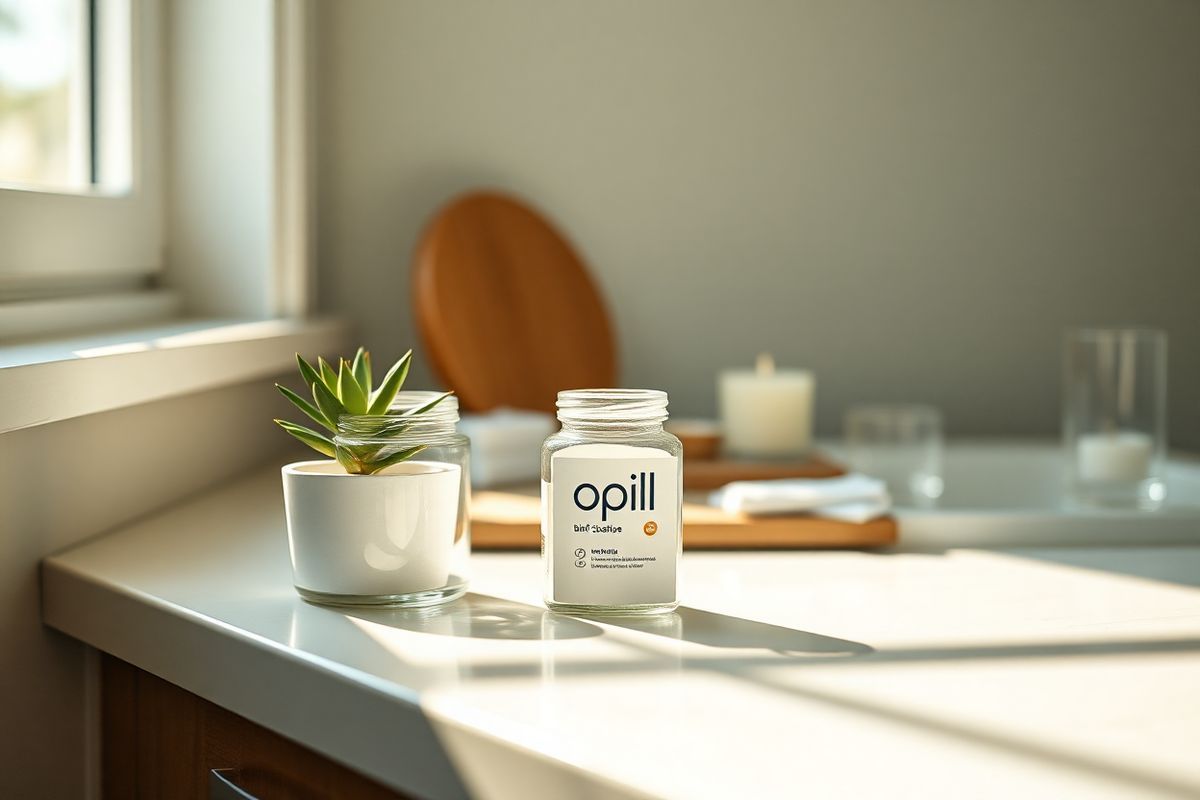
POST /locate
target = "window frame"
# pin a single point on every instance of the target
(109, 235)
(170, 237)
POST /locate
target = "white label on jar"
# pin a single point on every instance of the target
(611, 525)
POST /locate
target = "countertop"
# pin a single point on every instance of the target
(1051, 672)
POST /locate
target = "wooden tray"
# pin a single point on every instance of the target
(511, 520)
(715, 473)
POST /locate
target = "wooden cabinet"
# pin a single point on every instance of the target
(160, 741)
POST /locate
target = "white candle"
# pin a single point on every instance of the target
(1114, 457)
(765, 411)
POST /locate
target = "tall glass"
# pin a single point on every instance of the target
(1115, 416)
(900, 444)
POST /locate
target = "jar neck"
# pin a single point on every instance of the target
(393, 429)
(624, 430)
(612, 413)
(400, 424)
(386, 426)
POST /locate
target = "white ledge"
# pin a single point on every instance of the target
(48, 381)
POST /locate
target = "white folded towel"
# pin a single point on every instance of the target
(851, 498)
(506, 445)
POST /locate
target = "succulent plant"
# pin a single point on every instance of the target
(349, 390)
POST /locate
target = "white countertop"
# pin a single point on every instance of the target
(964, 673)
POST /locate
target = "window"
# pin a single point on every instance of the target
(80, 172)
(46, 93)
(85, 154)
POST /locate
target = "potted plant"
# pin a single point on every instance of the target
(381, 519)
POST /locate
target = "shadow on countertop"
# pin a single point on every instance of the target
(713, 629)
(480, 616)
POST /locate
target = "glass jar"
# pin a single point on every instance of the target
(399, 536)
(1115, 417)
(612, 503)
(902, 444)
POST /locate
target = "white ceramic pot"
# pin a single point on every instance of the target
(370, 539)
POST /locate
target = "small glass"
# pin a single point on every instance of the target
(900, 444)
(1115, 416)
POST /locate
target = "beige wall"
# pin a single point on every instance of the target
(913, 198)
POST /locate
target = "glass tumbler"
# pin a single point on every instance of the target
(900, 444)
(1115, 417)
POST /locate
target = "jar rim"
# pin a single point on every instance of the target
(397, 421)
(445, 411)
(612, 406)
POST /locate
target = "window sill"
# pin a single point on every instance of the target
(52, 380)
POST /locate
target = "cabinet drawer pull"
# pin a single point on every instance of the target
(222, 787)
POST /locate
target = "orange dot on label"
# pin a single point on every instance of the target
(650, 528)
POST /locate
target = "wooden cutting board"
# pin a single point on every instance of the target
(511, 520)
(508, 310)
(715, 473)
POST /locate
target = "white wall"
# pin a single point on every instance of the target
(913, 198)
(220, 145)
(62, 483)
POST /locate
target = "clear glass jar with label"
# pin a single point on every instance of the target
(612, 502)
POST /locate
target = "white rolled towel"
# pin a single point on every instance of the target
(852, 498)
(506, 445)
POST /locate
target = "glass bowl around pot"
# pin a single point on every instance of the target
(398, 537)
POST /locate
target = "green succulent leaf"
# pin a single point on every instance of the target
(352, 394)
(307, 372)
(308, 408)
(365, 453)
(330, 406)
(421, 410)
(328, 376)
(310, 437)
(350, 390)
(391, 384)
(394, 458)
(361, 370)
(349, 462)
